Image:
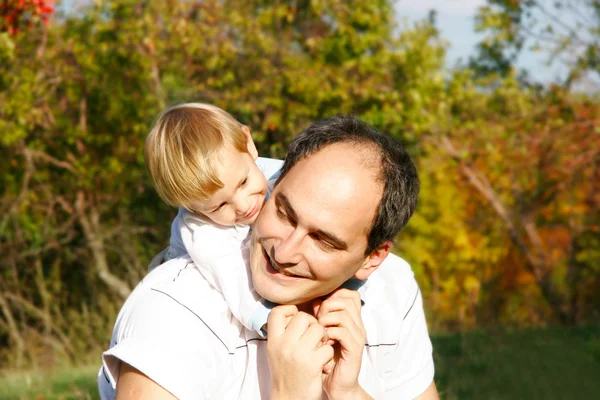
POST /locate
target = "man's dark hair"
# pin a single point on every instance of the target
(397, 172)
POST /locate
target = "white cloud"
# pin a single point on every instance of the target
(453, 7)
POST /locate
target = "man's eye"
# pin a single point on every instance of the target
(281, 215)
(325, 245)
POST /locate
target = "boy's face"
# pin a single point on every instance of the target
(241, 198)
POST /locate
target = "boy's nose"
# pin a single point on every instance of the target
(242, 206)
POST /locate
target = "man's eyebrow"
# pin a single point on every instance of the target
(331, 238)
(281, 200)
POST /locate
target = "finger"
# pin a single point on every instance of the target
(344, 320)
(342, 299)
(328, 368)
(278, 319)
(298, 325)
(323, 355)
(325, 339)
(346, 293)
(312, 337)
(316, 306)
(346, 305)
(345, 339)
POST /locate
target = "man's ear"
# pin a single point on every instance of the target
(251, 147)
(374, 260)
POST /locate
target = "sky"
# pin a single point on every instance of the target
(456, 22)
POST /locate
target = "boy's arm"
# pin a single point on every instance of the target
(176, 246)
(223, 261)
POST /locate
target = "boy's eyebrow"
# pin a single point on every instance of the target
(281, 200)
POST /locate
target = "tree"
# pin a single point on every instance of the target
(534, 162)
(14, 14)
(79, 220)
(566, 31)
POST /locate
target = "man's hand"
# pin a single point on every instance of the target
(296, 354)
(340, 314)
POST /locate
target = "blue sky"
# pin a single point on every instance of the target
(456, 22)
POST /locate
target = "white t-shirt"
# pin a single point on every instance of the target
(177, 329)
(218, 253)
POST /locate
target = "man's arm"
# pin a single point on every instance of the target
(134, 385)
(430, 393)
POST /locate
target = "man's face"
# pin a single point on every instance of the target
(312, 234)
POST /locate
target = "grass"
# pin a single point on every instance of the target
(548, 364)
(553, 363)
(65, 384)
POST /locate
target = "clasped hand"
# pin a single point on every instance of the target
(311, 353)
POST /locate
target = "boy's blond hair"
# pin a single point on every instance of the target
(183, 147)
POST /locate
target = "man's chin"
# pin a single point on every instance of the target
(274, 294)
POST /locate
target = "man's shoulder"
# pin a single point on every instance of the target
(394, 279)
(390, 295)
(169, 312)
(165, 272)
(173, 301)
(150, 300)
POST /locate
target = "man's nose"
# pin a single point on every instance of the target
(289, 249)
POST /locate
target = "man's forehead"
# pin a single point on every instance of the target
(363, 155)
(345, 161)
(333, 190)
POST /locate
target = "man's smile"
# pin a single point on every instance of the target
(273, 268)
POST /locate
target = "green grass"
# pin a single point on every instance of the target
(65, 384)
(548, 364)
(554, 363)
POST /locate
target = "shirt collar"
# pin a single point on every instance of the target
(356, 284)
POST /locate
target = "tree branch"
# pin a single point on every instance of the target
(91, 230)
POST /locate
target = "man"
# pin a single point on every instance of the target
(344, 193)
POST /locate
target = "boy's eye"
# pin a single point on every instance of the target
(219, 208)
(245, 181)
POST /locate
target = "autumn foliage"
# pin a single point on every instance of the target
(507, 227)
(17, 14)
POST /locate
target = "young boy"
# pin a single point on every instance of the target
(202, 160)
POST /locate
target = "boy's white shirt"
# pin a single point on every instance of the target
(221, 256)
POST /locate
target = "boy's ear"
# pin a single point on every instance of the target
(251, 147)
(374, 260)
